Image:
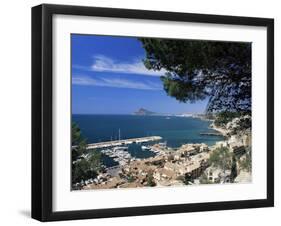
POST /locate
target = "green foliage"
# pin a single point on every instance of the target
(83, 168)
(78, 142)
(78, 150)
(76, 134)
(130, 178)
(245, 123)
(221, 158)
(246, 163)
(94, 161)
(225, 160)
(233, 173)
(195, 70)
(150, 180)
(222, 118)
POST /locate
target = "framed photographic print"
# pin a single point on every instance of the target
(147, 112)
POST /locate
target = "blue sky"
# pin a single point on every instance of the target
(108, 77)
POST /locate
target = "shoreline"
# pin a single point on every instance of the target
(193, 157)
(220, 130)
(165, 168)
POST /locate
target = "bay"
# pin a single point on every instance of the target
(174, 130)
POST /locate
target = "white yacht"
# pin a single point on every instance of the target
(144, 148)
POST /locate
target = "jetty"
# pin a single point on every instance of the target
(211, 134)
(108, 144)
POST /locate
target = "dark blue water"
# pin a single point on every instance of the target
(174, 130)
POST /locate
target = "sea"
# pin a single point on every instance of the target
(174, 130)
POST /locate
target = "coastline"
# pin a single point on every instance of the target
(102, 128)
(222, 131)
(166, 167)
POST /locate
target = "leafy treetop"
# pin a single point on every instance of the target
(196, 70)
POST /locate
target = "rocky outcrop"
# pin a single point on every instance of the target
(143, 112)
(237, 131)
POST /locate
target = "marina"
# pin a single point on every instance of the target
(119, 154)
(122, 155)
(118, 150)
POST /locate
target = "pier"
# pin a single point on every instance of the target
(211, 134)
(108, 144)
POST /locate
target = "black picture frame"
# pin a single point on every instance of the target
(42, 111)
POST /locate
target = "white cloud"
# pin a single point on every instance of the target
(115, 82)
(106, 64)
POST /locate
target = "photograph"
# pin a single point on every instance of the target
(158, 112)
(146, 112)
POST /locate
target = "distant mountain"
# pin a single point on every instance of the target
(143, 111)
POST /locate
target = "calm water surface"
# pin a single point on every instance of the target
(174, 130)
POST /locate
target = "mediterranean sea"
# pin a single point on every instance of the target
(174, 130)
